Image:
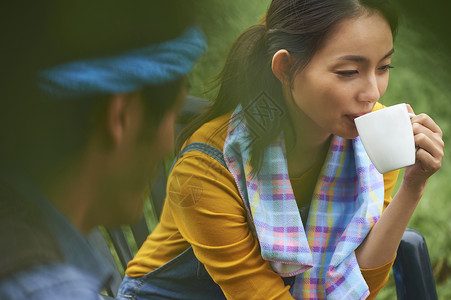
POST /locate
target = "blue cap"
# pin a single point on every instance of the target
(131, 71)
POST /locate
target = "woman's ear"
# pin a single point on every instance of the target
(281, 66)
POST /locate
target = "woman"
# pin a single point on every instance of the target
(273, 196)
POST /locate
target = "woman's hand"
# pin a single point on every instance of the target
(428, 138)
(380, 245)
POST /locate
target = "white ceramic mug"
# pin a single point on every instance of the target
(387, 137)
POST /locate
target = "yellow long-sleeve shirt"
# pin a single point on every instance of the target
(204, 210)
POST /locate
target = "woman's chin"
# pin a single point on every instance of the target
(348, 134)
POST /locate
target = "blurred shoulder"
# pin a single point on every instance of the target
(50, 282)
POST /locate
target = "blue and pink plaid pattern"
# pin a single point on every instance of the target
(347, 201)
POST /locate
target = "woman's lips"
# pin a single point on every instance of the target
(354, 116)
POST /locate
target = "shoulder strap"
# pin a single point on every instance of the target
(27, 240)
(205, 148)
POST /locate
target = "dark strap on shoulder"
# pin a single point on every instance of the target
(26, 238)
(205, 148)
(219, 156)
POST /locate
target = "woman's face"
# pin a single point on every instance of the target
(346, 76)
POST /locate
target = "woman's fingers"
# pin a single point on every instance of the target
(428, 140)
(430, 164)
(410, 109)
(428, 137)
(427, 122)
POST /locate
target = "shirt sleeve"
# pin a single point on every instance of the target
(211, 216)
(376, 278)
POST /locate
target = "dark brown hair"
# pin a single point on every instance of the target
(299, 26)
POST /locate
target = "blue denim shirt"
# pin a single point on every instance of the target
(83, 272)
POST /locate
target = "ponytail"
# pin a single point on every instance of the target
(247, 79)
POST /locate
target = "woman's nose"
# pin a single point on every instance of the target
(370, 91)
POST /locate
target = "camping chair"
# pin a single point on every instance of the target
(412, 268)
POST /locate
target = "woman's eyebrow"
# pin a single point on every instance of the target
(357, 58)
(389, 53)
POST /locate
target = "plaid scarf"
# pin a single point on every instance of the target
(347, 202)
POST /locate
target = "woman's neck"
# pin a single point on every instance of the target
(305, 141)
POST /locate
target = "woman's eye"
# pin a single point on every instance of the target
(347, 73)
(386, 67)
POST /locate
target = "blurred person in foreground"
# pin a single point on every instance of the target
(90, 92)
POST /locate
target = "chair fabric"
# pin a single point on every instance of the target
(412, 269)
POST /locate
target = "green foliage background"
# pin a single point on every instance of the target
(420, 77)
